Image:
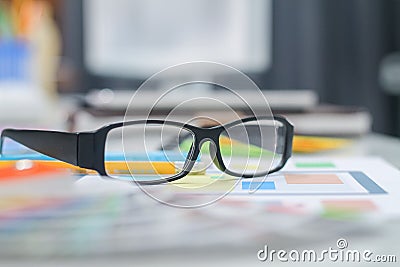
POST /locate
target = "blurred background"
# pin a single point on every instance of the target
(343, 50)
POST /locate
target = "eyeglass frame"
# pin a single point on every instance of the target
(87, 149)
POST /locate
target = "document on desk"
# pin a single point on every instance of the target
(334, 186)
(315, 185)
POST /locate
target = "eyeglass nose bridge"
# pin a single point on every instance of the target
(212, 136)
(203, 136)
(207, 135)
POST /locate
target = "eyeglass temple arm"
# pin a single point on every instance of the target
(59, 145)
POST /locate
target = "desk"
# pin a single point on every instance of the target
(303, 232)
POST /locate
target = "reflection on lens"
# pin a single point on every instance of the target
(252, 148)
(145, 152)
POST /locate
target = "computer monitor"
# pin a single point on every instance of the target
(135, 39)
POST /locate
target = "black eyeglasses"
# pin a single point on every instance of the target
(158, 151)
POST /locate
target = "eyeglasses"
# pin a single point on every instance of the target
(158, 151)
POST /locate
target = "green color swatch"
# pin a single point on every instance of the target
(315, 165)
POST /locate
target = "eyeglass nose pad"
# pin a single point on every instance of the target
(213, 155)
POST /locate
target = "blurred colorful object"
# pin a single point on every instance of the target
(312, 144)
(41, 165)
(27, 169)
(30, 46)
